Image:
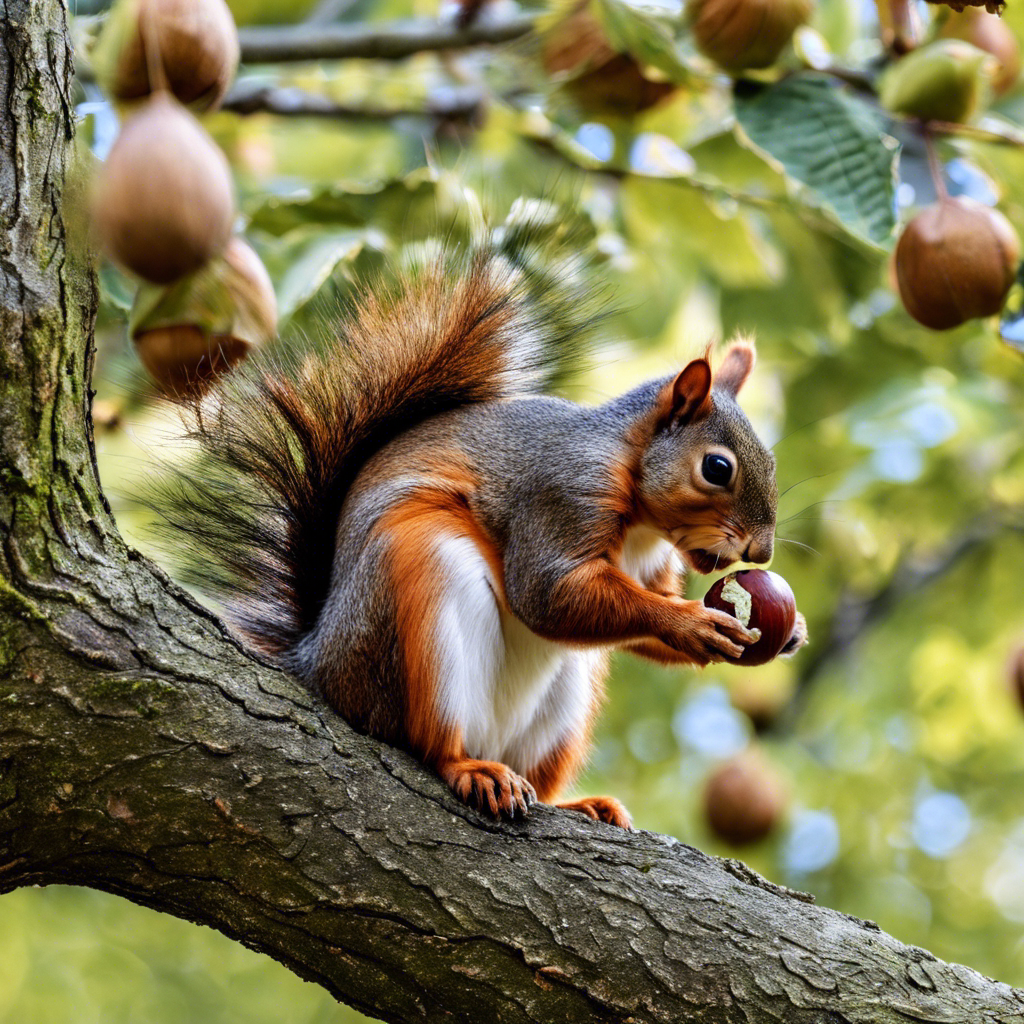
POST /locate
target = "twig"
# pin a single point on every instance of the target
(391, 41)
(455, 103)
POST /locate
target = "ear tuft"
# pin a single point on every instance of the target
(688, 398)
(736, 366)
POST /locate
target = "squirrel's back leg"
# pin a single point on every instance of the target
(565, 759)
(445, 581)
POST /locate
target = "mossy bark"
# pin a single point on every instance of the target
(144, 752)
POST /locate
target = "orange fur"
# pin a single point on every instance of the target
(413, 529)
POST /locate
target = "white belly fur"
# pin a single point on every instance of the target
(645, 552)
(514, 695)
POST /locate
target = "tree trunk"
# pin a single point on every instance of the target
(143, 751)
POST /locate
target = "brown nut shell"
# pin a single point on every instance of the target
(164, 201)
(743, 799)
(742, 34)
(955, 261)
(184, 360)
(990, 33)
(196, 43)
(601, 79)
(772, 610)
(194, 330)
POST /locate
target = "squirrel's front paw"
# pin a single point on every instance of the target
(706, 634)
(797, 638)
(490, 787)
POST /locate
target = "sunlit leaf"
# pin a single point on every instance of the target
(831, 142)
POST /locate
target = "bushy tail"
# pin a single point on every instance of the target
(290, 431)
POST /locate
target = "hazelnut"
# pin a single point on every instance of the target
(741, 34)
(946, 80)
(743, 799)
(189, 334)
(195, 41)
(760, 600)
(597, 77)
(955, 261)
(990, 33)
(164, 199)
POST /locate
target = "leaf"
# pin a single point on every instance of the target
(831, 142)
(310, 267)
(643, 36)
(354, 207)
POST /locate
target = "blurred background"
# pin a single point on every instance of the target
(882, 769)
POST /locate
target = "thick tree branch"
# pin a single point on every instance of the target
(395, 40)
(144, 752)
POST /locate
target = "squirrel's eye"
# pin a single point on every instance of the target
(717, 470)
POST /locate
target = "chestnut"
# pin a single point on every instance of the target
(743, 799)
(760, 600)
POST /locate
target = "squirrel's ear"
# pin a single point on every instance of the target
(736, 367)
(688, 398)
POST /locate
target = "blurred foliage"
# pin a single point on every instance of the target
(768, 207)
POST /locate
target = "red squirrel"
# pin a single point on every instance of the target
(449, 556)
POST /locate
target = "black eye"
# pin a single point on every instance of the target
(717, 470)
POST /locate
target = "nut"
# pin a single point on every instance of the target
(947, 80)
(760, 600)
(190, 333)
(598, 78)
(743, 799)
(195, 42)
(990, 33)
(741, 34)
(164, 200)
(955, 261)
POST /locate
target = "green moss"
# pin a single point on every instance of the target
(146, 695)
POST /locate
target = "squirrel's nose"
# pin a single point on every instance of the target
(758, 552)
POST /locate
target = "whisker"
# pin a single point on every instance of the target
(796, 430)
(798, 544)
(807, 508)
(817, 476)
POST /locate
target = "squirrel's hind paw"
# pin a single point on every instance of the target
(490, 787)
(601, 808)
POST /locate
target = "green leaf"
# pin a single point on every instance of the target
(310, 266)
(831, 142)
(643, 36)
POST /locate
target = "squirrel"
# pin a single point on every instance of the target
(446, 554)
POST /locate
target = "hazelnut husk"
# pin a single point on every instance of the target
(743, 799)
(164, 200)
(947, 80)
(955, 261)
(195, 43)
(191, 333)
(760, 600)
(990, 33)
(742, 34)
(597, 77)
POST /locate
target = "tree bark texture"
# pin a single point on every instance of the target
(144, 752)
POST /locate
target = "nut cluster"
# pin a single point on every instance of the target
(164, 204)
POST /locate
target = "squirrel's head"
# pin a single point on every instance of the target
(706, 480)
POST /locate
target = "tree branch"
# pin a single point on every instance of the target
(143, 751)
(456, 103)
(391, 41)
